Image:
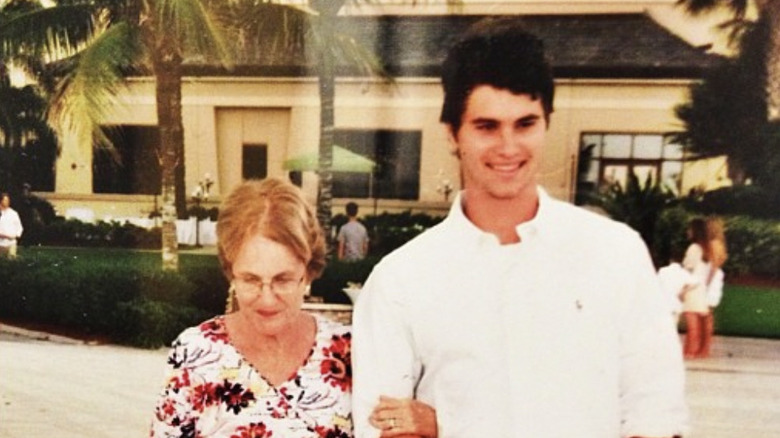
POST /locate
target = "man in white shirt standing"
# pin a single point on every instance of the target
(10, 227)
(519, 315)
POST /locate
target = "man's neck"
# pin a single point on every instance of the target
(500, 216)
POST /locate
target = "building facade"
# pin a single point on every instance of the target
(619, 71)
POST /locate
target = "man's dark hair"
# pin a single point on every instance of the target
(499, 53)
(352, 209)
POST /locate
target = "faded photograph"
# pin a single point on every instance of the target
(347, 218)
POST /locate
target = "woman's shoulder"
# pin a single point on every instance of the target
(212, 330)
(328, 327)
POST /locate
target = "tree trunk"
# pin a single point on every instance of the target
(325, 189)
(772, 11)
(169, 120)
(327, 121)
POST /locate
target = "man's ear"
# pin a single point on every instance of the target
(452, 140)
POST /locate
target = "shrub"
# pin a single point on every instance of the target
(753, 244)
(638, 204)
(73, 232)
(670, 234)
(336, 276)
(108, 293)
(754, 247)
(737, 201)
(389, 231)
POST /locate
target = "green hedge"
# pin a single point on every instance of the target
(73, 232)
(124, 296)
(753, 244)
(121, 295)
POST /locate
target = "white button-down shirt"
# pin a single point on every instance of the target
(564, 334)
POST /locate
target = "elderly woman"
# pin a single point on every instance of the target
(267, 368)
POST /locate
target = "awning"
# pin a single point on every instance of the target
(344, 160)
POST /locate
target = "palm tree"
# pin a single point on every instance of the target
(769, 11)
(23, 129)
(331, 48)
(272, 31)
(103, 40)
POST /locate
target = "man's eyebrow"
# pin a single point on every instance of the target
(529, 118)
(480, 120)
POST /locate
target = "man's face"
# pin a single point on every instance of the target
(499, 143)
(5, 202)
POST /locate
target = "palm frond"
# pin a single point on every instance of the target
(48, 32)
(195, 27)
(266, 32)
(88, 90)
(696, 7)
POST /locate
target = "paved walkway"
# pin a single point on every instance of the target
(63, 388)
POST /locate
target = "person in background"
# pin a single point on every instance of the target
(676, 281)
(695, 307)
(717, 254)
(352, 237)
(519, 315)
(10, 227)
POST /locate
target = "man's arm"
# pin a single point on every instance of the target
(652, 370)
(340, 237)
(384, 362)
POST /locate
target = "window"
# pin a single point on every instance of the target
(397, 158)
(131, 167)
(254, 161)
(607, 158)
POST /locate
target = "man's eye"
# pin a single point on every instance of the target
(528, 123)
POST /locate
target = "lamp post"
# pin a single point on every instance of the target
(445, 186)
(200, 195)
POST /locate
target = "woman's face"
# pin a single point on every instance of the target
(269, 282)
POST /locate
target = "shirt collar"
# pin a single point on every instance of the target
(527, 230)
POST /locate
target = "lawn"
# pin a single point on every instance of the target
(749, 311)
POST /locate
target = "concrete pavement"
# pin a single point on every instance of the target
(64, 388)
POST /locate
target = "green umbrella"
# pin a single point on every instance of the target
(344, 160)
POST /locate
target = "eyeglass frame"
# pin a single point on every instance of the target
(256, 285)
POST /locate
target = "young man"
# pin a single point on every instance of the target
(353, 236)
(10, 227)
(519, 315)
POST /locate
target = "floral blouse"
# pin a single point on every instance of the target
(212, 391)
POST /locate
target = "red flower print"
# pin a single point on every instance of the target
(336, 368)
(324, 432)
(180, 381)
(234, 396)
(203, 396)
(215, 330)
(168, 408)
(252, 430)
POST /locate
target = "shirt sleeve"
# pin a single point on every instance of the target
(693, 256)
(652, 370)
(384, 358)
(174, 413)
(715, 289)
